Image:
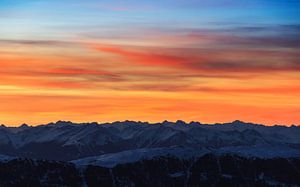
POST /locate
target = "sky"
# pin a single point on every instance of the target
(198, 60)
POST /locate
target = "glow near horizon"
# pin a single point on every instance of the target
(208, 61)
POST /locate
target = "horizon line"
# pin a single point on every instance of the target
(147, 122)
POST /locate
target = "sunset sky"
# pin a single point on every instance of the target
(202, 60)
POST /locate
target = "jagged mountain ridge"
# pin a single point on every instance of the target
(70, 141)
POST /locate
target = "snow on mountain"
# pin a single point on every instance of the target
(70, 141)
(4, 137)
(131, 156)
(66, 134)
(261, 151)
(111, 160)
(280, 133)
(5, 158)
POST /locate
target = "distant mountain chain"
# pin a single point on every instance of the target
(141, 154)
(107, 143)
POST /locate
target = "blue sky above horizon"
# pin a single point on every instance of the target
(42, 15)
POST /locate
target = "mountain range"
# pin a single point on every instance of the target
(125, 153)
(66, 141)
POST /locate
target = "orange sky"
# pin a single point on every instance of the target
(96, 81)
(135, 65)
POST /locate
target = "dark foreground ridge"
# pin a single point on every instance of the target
(208, 170)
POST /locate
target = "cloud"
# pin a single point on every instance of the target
(37, 42)
(141, 57)
(224, 51)
(187, 56)
(231, 59)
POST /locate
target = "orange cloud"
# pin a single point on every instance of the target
(209, 61)
(143, 57)
(198, 77)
